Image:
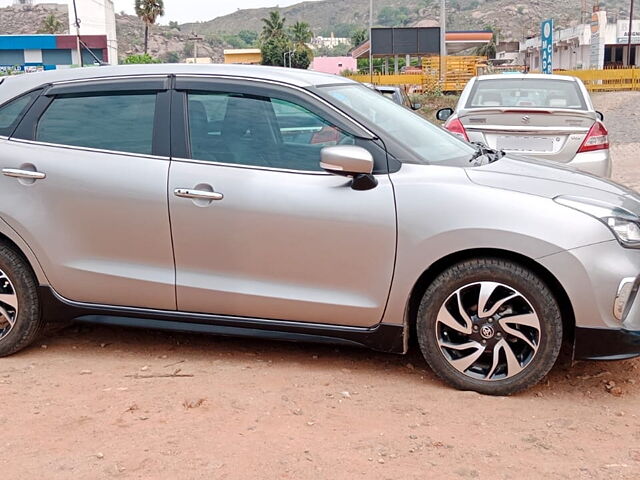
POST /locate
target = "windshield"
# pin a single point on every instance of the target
(429, 143)
(526, 92)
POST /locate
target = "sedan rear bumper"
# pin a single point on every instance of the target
(597, 163)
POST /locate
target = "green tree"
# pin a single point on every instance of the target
(174, 24)
(275, 42)
(144, 58)
(359, 37)
(149, 11)
(301, 34)
(301, 58)
(51, 25)
(273, 26)
(171, 57)
(249, 37)
(273, 50)
(489, 49)
(394, 17)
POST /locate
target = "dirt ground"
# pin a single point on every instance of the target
(94, 402)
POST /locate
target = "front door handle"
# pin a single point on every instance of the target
(28, 174)
(197, 194)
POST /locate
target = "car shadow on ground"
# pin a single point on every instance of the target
(84, 340)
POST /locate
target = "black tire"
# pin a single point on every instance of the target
(451, 286)
(28, 323)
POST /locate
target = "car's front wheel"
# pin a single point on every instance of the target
(20, 319)
(489, 325)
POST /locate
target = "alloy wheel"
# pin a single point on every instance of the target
(8, 305)
(488, 331)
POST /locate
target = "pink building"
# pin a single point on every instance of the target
(333, 65)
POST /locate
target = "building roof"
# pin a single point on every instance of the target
(12, 86)
(242, 51)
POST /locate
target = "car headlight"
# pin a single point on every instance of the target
(624, 224)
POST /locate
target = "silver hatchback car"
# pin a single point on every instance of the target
(286, 204)
(542, 116)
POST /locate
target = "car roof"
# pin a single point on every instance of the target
(14, 85)
(537, 76)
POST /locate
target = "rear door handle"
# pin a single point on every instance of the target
(17, 173)
(197, 194)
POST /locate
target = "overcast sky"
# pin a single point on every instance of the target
(190, 10)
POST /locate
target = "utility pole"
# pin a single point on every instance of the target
(77, 24)
(630, 35)
(371, 41)
(195, 39)
(443, 43)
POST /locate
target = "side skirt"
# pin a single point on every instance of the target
(382, 337)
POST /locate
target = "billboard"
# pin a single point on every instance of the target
(547, 46)
(405, 41)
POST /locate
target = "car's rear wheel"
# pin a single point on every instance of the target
(20, 319)
(489, 325)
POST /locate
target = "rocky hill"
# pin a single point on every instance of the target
(27, 19)
(515, 19)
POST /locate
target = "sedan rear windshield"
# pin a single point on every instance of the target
(526, 92)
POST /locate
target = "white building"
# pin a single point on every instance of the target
(329, 42)
(598, 44)
(97, 17)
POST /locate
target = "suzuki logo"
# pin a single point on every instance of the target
(526, 119)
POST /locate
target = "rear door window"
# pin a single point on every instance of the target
(12, 112)
(118, 122)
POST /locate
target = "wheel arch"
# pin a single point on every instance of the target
(429, 275)
(10, 238)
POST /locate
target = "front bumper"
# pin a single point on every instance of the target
(606, 344)
(592, 277)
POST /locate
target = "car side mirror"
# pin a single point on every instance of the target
(350, 161)
(600, 116)
(416, 106)
(444, 113)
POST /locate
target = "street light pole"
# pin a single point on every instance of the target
(630, 35)
(77, 24)
(371, 41)
(443, 38)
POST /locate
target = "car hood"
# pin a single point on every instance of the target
(549, 179)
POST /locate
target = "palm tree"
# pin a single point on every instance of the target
(489, 49)
(358, 37)
(301, 34)
(149, 11)
(50, 25)
(273, 26)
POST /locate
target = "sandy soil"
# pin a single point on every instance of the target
(95, 402)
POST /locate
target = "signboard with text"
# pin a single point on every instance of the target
(622, 32)
(547, 46)
(598, 25)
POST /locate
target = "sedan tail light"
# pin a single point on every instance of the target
(454, 125)
(597, 139)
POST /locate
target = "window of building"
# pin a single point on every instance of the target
(119, 122)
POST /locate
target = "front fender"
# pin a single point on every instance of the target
(441, 213)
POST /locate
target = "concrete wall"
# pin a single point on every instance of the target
(333, 65)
